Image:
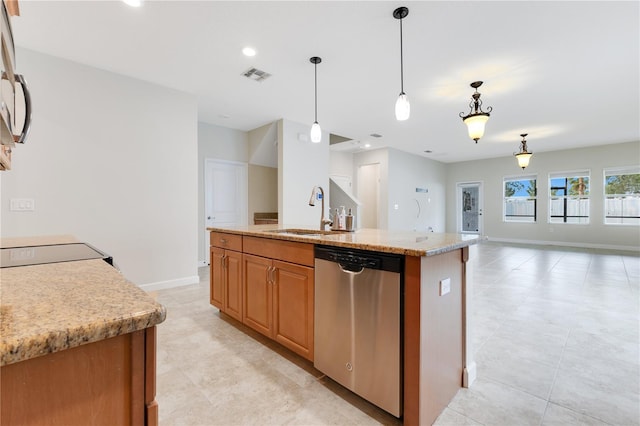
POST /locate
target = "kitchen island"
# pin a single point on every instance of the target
(436, 357)
(77, 343)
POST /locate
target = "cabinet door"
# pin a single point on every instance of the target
(233, 287)
(217, 278)
(258, 305)
(293, 295)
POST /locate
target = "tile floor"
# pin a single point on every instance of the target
(555, 332)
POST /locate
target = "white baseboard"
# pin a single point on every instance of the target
(565, 244)
(469, 375)
(161, 285)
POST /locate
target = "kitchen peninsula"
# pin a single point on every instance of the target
(263, 276)
(78, 342)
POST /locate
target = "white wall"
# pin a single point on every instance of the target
(493, 171)
(301, 166)
(109, 160)
(417, 211)
(220, 143)
(341, 164)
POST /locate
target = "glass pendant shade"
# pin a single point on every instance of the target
(523, 159)
(475, 124)
(403, 108)
(316, 133)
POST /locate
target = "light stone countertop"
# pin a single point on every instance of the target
(52, 307)
(399, 242)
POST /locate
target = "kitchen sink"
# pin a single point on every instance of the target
(303, 232)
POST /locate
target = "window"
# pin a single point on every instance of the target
(569, 197)
(520, 203)
(622, 196)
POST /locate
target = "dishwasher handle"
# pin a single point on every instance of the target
(351, 268)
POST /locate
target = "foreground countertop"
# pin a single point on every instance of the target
(399, 242)
(57, 306)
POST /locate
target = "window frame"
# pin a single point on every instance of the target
(505, 179)
(566, 197)
(616, 171)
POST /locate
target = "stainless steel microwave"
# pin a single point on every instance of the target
(15, 100)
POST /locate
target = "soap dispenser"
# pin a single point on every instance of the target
(349, 221)
(335, 225)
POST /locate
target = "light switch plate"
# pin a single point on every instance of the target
(22, 205)
(445, 286)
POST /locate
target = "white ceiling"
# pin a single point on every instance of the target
(566, 72)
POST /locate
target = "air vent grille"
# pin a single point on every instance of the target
(375, 135)
(256, 75)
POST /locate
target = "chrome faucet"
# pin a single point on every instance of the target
(312, 202)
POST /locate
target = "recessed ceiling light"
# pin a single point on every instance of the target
(249, 51)
(133, 3)
(367, 145)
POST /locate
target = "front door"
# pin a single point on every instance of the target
(470, 208)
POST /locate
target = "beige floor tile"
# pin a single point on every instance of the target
(555, 332)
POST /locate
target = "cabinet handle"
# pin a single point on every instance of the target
(223, 241)
(270, 275)
(223, 265)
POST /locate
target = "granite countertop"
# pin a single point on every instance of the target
(399, 242)
(57, 306)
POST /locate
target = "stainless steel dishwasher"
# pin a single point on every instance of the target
(358, 327)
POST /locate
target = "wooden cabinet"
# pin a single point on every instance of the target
(293, 296)
(226, 273)
(278, 294)
(108, 382)
(267, 284)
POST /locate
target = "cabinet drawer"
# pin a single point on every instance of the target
(288, 251)
(227, 241)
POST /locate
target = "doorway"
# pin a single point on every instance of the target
(469, 207)
(369, 194)
(225, 195)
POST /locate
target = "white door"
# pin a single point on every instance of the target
(469, 206)
(225, 196)
(369, 194)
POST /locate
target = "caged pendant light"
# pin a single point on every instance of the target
(403, 108)
(316, 132)
(523, 156)
(477, 118)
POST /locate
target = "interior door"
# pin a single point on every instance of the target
(470, 208)
(226, 193)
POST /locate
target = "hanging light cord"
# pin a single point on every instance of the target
(315, 72)
(401, 62)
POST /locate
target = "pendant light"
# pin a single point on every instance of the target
(403, 108)
(523, 156)
(476, 119)
(316, 132)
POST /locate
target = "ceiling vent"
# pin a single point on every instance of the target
(375, 135)
(256, 75)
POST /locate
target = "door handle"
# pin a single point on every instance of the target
(27, 110)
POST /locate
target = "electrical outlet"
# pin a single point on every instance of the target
(445, 286)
